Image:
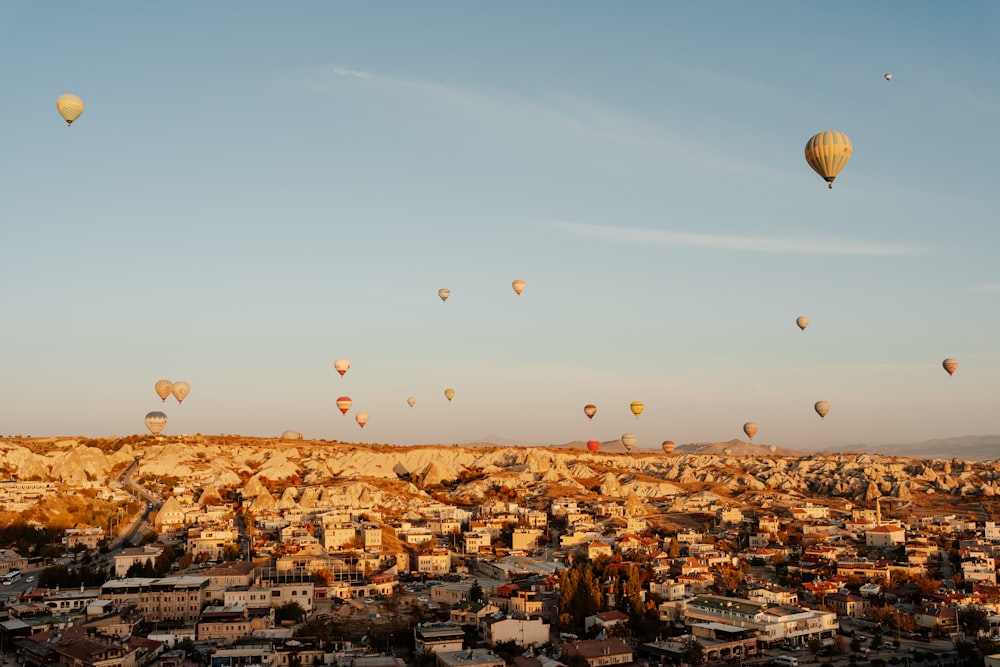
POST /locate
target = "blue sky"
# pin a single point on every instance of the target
(257, 189)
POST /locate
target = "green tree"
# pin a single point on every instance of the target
(290, 611)
(693, 653)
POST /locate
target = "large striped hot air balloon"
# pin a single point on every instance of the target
(637, 407)
(668, 446)
(827, 153)
(155, 421)
(344, 404)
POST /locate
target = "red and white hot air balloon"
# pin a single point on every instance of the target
(341, 366)
(344, 404)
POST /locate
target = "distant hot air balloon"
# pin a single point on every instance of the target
(827, 153)
(590, 410)
(444, 293)
(750, 429)
(822, 407)
(341, 366)
(155, 421)
(637, 407)
(593, 445)
(291, 435)
(802, 322)
(772, 448)
(668, 446)
(180, 390)
(727, 451)
(950, 365)
(888, 76)
(410, 401)
(164, 388)
(344, 403)
(518, 286)
(449, 393)
(628, 440)
(70, 107)
(361, 418)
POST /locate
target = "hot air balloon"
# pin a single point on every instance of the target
(827, 153)
(593, 445)
(888, 76)
(362, 419)
(590, 410)
(449, 393)
(344, 403)
(291, 435)
(164, 388)
(637, 407)
(155, 421)
(822, 407)
(668, 446)
(950, 365)
(70, 107)
(802, 322)
(410, 401)
(772, 448)
(518, 286)
(341, 366)
(750, 429)
(180, 391)
(628, 440)
(444, 293)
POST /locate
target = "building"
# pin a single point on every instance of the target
(136, 556)
(87, 537)
(472, 658)
(598, 652)
(500, 628)
(775, 625)
(438, 638)
(159, 599)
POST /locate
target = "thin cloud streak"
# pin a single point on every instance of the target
(740, 243)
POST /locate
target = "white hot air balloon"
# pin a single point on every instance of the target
(180, 391)
(291, 435)
(164, 388)
(628, 441)
(341, 366)
(155, 421)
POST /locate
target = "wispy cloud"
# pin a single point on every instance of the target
(825, 246)
(339, 70)
(988, 287)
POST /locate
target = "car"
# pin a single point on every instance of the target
(31, 578)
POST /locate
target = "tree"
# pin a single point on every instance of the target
(693, 652)
(476, 592)
(815, 645)
(290, 611)
(674, 549)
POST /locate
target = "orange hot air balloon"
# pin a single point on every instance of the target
(341, 366)
(750, 429)
(950, 365)
(590, 410)
(802, 322)
(593, 445)
(668, 446)
(362, 419)
(344, 403)
(518, 286)
(637, 407)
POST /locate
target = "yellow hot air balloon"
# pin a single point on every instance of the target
(950, 365)
(410, 401)
(70, 107)
(637, 407)
(750, 429)
(827, 153)
(344, 404)
(444, 293)
(164, 388)
(362, 419)
(628, 441)
(341, 366)
(821, 407)
(802, 322)
(518, 286)
(449, 393)
(180, 391)
(155, 421)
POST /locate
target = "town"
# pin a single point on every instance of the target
(214, 552)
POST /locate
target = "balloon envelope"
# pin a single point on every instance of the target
(950, 365)
(750, 429)
(164, 388)
(827, 153)
(410, 401)
(822, 407)
(668, 446)
(637, 407)
(70, 107)
(449, 393)
(341, 366)
(180, 391)
(155, 421)
(518, 286)
(888, 76)
(628, 440)
(590, 410)
(344, 404)
(291, 435)
(593, 445)
(802, 322)
(362, 419)
(444, 293)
